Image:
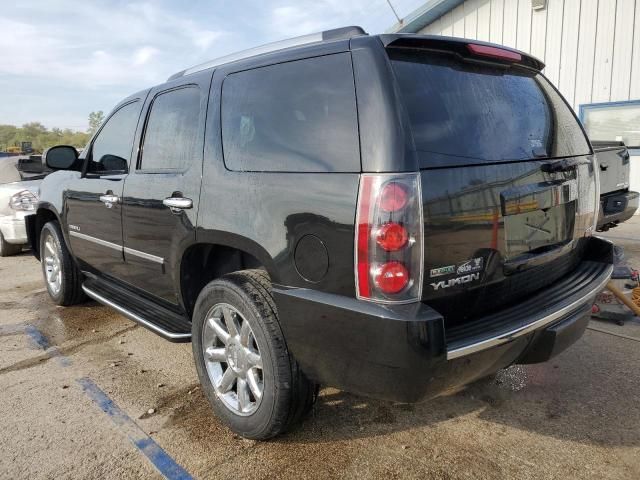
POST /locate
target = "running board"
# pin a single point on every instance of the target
(169, 325)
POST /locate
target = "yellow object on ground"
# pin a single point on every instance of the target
(635, 296)
(623, 298)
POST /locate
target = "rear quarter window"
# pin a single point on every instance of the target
(462, 112)
(298, 116)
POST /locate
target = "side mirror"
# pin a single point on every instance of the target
(61, 157)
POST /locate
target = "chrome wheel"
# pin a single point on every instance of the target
(52, 265)
(232, 359)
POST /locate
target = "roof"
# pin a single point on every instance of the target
(423, 16)
(326, 36)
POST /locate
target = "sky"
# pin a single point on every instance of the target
(62, 59)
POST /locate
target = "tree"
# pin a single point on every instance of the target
(95, 120)
(41, 138)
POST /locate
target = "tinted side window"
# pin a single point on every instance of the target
(171, 135)
(292, 117)
(111, 150)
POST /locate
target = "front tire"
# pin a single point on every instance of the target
(62, 277)
(252, 383)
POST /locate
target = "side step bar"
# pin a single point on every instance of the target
(167, 324)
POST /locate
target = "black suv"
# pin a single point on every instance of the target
(392, 215)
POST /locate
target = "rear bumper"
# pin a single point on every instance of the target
(403, 353)
(617, 208)
(13, 229)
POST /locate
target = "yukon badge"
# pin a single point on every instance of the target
(456, 281)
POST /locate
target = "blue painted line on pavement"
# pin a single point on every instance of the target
(37, 337)
(160, 459)
(39, 340)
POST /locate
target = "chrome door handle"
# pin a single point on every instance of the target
(109, 200)
(177, 204)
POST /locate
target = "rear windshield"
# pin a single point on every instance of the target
(462, 112)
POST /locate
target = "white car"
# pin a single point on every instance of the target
(17, 198)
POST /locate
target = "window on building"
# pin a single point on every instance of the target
(171, 135)
(613, 122)
(292, 117)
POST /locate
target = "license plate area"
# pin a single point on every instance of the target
(539, 230)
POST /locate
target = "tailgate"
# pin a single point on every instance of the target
(494, 234)
(508, 184)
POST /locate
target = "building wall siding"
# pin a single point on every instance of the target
(591, 47)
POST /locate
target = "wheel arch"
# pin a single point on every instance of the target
(44, 213)
(215, 254)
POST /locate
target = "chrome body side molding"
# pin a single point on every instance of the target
(146, 256)
(115, 246)
(98, 241)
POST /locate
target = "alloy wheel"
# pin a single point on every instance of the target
(52, 265)
(232, 359)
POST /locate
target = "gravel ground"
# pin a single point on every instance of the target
(577, 416)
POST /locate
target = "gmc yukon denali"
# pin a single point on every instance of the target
(392, 215)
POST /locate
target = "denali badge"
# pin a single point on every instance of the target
(456, 281)
(438, 272)
(470, 266)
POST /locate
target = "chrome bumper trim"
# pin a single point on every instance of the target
(525, 329)
(136, 318)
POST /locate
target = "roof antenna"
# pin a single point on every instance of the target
(400, 21)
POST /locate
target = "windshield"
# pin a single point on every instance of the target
(462, 112)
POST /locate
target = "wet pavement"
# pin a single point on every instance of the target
(577, 416)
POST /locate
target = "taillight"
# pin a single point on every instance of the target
(392, 236)
(391, 277)
(393, 197)
(389, 255)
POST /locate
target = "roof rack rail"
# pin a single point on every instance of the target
(327, 35)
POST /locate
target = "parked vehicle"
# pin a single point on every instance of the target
(392, 215)
(17, 198)
(617, 202)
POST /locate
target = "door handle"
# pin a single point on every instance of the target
(177, 204)
(109, 200)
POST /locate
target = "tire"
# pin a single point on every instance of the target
(287, 395)
(54, 254)
(7, 249)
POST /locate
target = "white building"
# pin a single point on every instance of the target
(591, 49)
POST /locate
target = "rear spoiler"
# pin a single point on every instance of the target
(466, 48)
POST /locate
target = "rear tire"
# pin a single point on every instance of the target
(7, 249)
(62, 276)
(242, 302)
